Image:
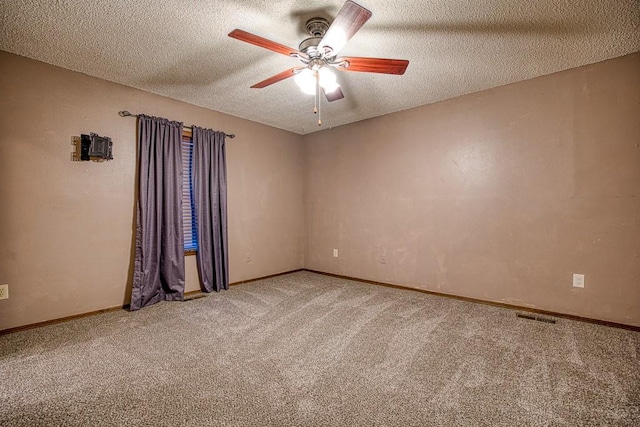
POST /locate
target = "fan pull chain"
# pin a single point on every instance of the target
(318, 99)
(315, 99)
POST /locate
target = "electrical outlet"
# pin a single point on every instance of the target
(578, 280)
(4, 291)
(335, 253)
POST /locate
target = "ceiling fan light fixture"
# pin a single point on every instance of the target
(327, 78)
(331, 88)
(306, 81)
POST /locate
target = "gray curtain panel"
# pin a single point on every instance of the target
(159, 260)
(210, 203)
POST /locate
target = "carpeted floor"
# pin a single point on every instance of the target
(311, 350)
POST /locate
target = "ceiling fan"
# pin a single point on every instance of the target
(319, 53)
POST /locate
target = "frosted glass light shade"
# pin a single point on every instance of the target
(306, 81)
(327, 80)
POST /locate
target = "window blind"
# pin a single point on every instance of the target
(188, 211)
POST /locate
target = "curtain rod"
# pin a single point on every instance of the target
(128, 114)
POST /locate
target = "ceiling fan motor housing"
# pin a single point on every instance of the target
(310, 47)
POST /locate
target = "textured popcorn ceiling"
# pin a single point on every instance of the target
(180, 48)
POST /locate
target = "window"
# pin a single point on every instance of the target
(188, 211)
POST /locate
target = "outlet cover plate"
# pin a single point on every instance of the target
(578, 280)
(4, 292)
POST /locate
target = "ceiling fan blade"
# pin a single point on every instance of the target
(351, 17)
(262, 42)
(278, 77)
(335, 95)
(373, 65)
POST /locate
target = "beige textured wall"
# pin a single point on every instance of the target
(499, 195)
(66, 227)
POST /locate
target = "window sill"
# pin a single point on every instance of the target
(189, 253)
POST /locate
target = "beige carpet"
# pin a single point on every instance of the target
(310, 350)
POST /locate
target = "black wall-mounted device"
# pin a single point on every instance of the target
(92, 147)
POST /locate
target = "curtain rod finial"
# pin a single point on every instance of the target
(124, 113)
